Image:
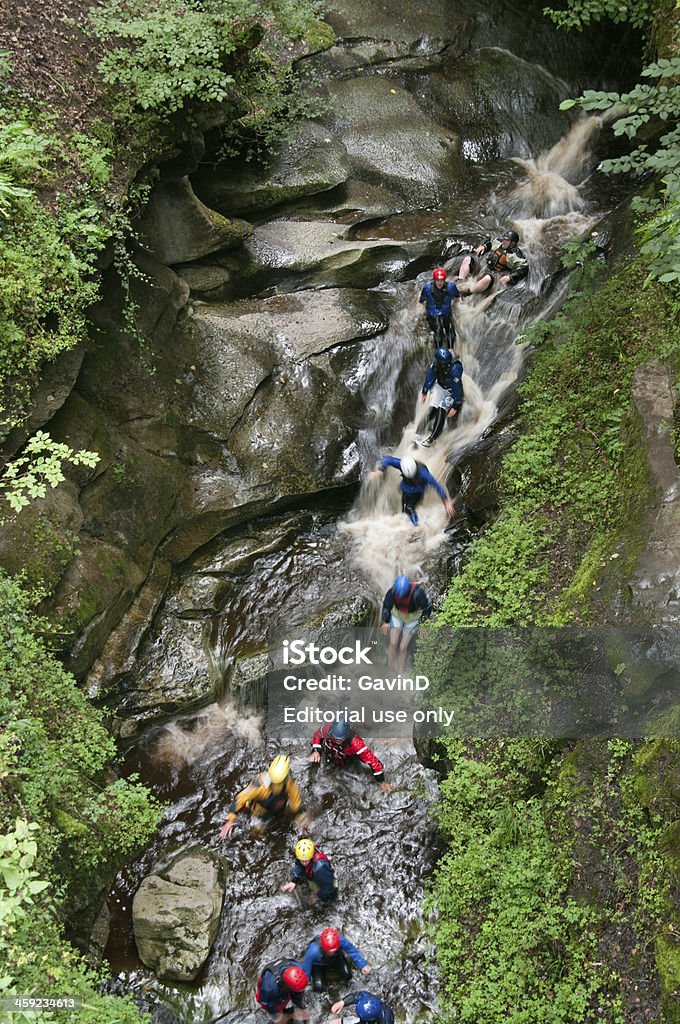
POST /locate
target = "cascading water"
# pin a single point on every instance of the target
(548, 211)
(383, 845)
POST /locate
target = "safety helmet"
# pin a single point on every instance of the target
(443, 355)
(368, 1007)
(401, 587)
(510, 236)
(408, 467)
(304, 849)
(279, 768)
(329, 940)
(439, 274)
(340, 730)
(295, 978)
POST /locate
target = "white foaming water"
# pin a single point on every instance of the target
(553, 177)
(547, 208)
(183, 741)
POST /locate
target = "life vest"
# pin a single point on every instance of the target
(308, 865)
(273, 802)
(402, 603)
(276, 967)
(335, 751)
(497, 260)
(439, 295)
(442, 374)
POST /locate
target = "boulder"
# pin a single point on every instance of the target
(312, 161)
(390, 140)
(178, 228)
(176, 913)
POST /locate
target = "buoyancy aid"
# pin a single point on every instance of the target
(276, 967)
(309, 865)
(273, 802)
(402, 604)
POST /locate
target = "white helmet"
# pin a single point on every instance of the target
(408, 467)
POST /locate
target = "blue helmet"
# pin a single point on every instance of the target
(368, 1007)
(442, 355)
(401, 587)
(340, 730)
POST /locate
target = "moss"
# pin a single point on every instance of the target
(667, 948)
(656, 770)
(319, 36)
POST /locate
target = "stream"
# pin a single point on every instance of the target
(280, 571)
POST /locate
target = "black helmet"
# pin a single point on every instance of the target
(443, 355)
(510, 236)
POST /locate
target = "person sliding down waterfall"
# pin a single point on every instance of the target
(438, 295)
(503, 258)
(404, 607)
(368, 1008)
(415, 479)
(444, 384)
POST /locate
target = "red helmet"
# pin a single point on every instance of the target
(439, 274)
(295, 978)
(330, 941)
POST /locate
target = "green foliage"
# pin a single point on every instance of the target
(26, 478)
(571, 484)
(55, 771)
(649, 109)
(47, 257)
(579, 13)
(18, 883)
(181, 55)
(512, 943)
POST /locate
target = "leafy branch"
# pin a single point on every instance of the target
(27, 477)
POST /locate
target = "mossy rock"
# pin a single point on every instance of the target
(668, 965)
(656, 768)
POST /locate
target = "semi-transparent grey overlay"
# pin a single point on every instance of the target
(553, 683)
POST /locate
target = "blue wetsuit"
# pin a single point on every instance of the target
(315, 962)
(438, 306)
(413, 488)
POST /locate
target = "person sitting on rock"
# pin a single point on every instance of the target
(415, 479)
(438, 295)
(496, 257)
(279, 990)
(331, 953)
(368, 1008)
(269, 795)
(444, 385)
(313, 867)
(339, 744)
(404, 607)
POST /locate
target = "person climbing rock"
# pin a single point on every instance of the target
(416, 478)
(444, 385)
(279, 990)
(495, 258)
(438, 296)
(339, 744)
(269, 795)
(330, 953)
(404, 607)
(368, 1008)
(313, 867)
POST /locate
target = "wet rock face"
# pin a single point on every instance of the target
(176, 915)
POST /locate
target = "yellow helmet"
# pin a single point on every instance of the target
(304, 849)
(279, 768)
